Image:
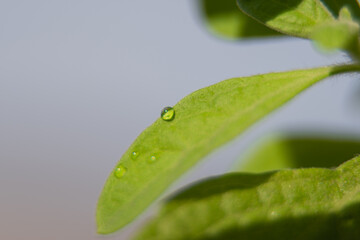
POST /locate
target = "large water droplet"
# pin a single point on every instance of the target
(168, 113)
(134, 155)
(152, 159)
(120, 171)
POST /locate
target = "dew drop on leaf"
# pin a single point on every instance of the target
(152, 159)
(134, 155)
(168, 114)
(120, 171)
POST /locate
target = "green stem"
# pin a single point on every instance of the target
(345, 69)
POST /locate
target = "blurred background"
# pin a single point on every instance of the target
(79, 80)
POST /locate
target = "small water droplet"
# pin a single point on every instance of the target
(152, 159)
(120, 171)
(168, 114)
(134, 155)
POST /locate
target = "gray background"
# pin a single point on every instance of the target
(79, 80)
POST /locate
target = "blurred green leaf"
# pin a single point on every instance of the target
(292, 17)
(204, 120)
(345, 14)
(283, 151)
(224, 18)
(309, 204)
(340, 34)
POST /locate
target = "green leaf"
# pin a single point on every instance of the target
(307, 204)
(283, 151)
(225, 19)
(292, 17)
(204, 120)
(341, 34)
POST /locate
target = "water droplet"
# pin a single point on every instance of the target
(168, 113)
(120, 171)
(152, 159)
(134, 155)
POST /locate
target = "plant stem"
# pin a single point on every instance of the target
(345, 68)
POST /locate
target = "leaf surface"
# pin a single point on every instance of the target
(204, 120)
(224, 18)
(282, 151)
(299, 204)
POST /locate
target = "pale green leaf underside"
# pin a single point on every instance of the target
(283, 151)
(204, 120)
(310, 204)
(224, 18)
(292, 17)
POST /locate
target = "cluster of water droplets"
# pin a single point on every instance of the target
(167, 114)
(121, 170)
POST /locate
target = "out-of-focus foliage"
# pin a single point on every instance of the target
(283, 151)
(292, 17)
(312, 204)
(225, 19)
